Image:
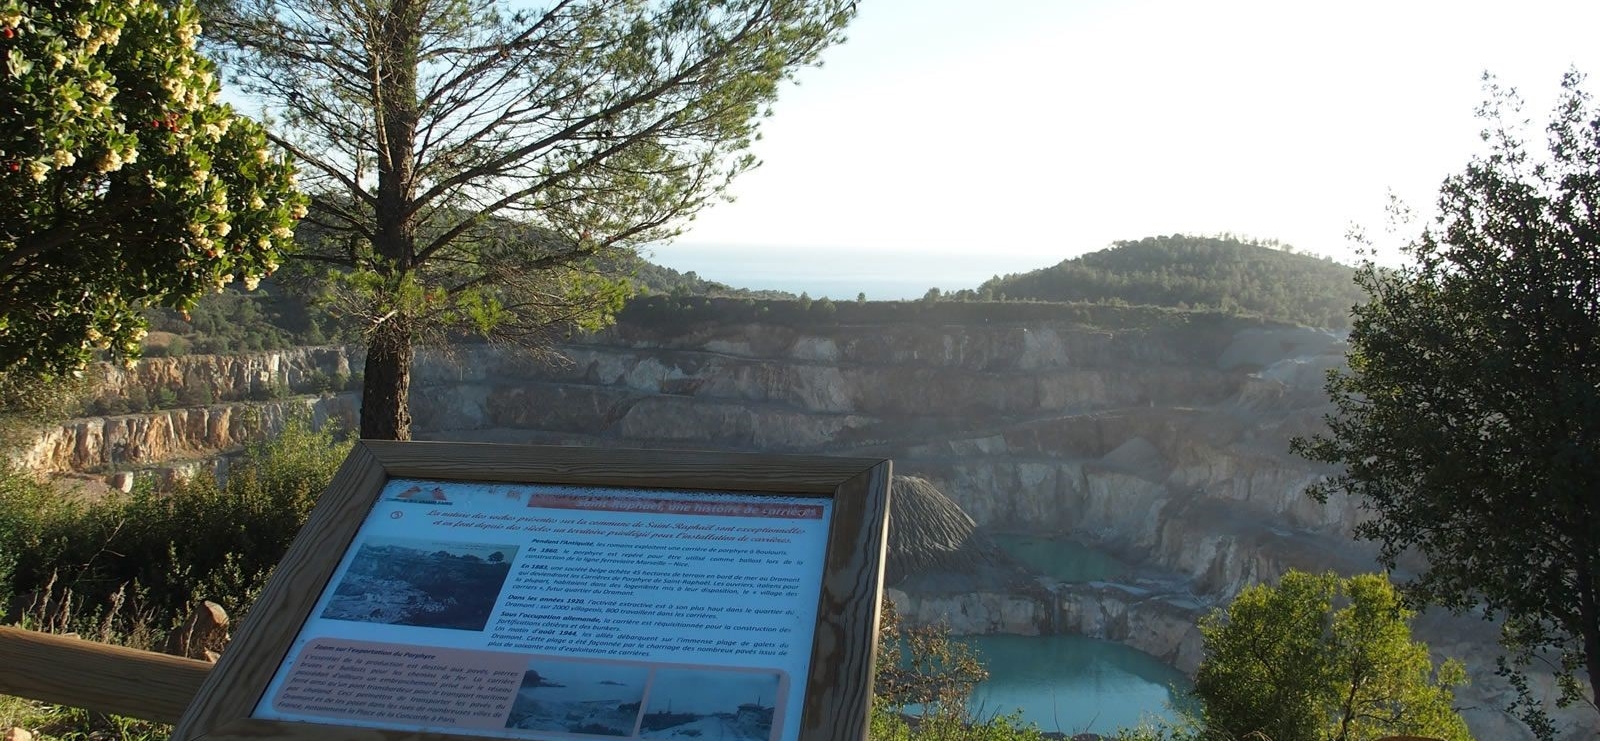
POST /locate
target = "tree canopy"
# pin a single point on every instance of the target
(599, 125)
(1196, 272)
(1468, 421)
(123, 183)
(1320, 658)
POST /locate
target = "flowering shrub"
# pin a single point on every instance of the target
(123, 183)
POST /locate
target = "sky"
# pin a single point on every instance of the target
(949, 141)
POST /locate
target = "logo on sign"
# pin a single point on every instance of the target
(419, 495)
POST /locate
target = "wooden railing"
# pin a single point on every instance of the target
(97, 676)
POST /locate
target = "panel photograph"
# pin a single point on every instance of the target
(422, 583)
(586, 698)
(710, 704)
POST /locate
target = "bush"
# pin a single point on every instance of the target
(923, 666)
(174, 347)
(268, 390)
(127, 569)
(1323, 657)
(196, 396)
(891, 726)
(199, 540)
(321, 382)
(165, 398)
(213, 345)
(29, 401)
(31, 515)
(138, 400)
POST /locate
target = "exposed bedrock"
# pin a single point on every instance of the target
(974, 613)
(188, 434)
(218, 403)
(1156, 622)
(1166, 444)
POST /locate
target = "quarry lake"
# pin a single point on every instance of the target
(1070, 683)
(1073, 684)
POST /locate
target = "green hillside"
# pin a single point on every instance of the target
(1195, 272)
(281, 313)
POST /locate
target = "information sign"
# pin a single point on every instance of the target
(451, 590)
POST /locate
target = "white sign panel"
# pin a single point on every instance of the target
(539, 611)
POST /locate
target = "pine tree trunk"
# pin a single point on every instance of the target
(385, 406)
(385, 411)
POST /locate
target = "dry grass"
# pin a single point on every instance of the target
(59, 611)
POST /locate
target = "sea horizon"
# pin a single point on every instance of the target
(843, 272)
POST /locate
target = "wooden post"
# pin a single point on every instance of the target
(98, 676)
(203, 635)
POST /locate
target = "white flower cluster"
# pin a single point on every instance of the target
(109, 36)
(188, 32)
(215, 131)
(114, 160)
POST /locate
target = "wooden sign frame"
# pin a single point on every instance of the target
(838, 689)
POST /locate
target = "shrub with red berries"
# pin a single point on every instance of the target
(124, 184)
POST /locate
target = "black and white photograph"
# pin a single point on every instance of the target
(579, 697)
(710, 705)
(423, 583)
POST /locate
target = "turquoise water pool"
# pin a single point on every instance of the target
(1073, 684)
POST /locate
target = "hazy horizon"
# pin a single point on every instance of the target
(841, 272)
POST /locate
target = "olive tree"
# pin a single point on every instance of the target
(124, 184)
(1468, 421)
(473, 165)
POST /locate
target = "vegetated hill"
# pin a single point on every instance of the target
(1196, 272)
(280, 314)
(237, 320)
